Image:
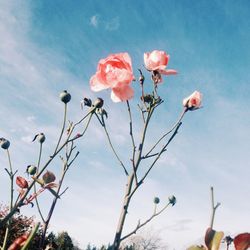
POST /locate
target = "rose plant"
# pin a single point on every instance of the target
(115, 72)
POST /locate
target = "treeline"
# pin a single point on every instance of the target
(20, 225)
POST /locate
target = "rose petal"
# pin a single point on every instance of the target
(122, 93)
(96, 85)
(168, 72)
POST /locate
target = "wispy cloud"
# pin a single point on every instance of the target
(113, 24)
(94, 21)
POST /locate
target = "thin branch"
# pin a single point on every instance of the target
(156, 159)
(11, 175)
(63, 126)
(113, 149)
(163, 149)
(91, 111)
(214, 207)
(70, 163)
(85, 129)
(173, 127)
(36, 198)
(140, 225)
(142, 113)
(63, 191)
(132, 140)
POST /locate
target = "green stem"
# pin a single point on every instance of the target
(63, 126)
(36, 199)
(112, 147)
(173, 127)
(32, 235)
(132, 140)
(11, 177)
(11, 200)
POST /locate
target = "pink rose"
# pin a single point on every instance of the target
(193, 101)
(114, 72)
(157, 61)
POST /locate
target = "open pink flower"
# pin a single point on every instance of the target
(193, 101)
(157, 61)
(114, 72)
(242, 241)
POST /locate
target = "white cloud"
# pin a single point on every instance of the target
(94, 21)
(113, 24)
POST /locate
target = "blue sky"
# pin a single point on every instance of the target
(47, 46)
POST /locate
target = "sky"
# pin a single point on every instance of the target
(49, 46)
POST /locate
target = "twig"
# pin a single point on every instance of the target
(112, 147)
(132, 140)
(36, 198)
(11, 175)
(173, 127)
(214, 207)
(156, 159)
(63, 191)
(140, 225)
(63, 126)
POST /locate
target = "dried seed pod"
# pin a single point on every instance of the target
(65, 96)
(4, 143)
(98, 103)
(48, 177)
(156, 200)
(172, 200)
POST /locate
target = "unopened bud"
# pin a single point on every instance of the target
(147, 98)
(98, 103)
(48, 177)
(193, 101)
(156, 200)
(31, 169)
(21, 182)
(4, 143)
(172, 200)
(40, 137)
(65, 96)
(86, 102)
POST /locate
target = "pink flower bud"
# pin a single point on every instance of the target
(193, 101)
(21, 182)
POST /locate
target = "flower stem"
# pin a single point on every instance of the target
(32, 235)
(11, 175)
(36, 198)
(63, 126)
